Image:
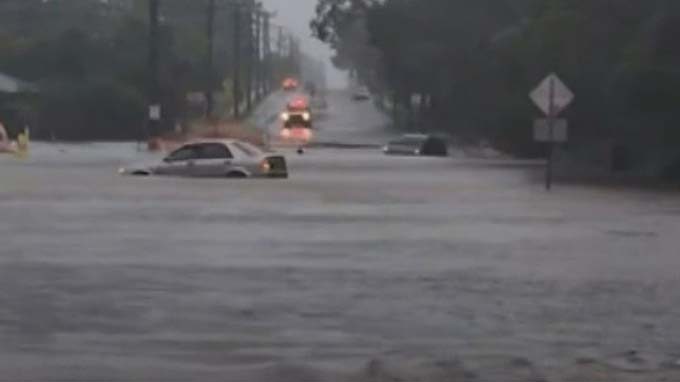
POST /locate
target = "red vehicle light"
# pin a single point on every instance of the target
(290, 83)
(298, 104)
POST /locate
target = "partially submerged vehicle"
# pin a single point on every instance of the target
(219, 158)
(418, 145)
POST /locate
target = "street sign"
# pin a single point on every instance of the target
(552, 96)
(155, 112)
(543, 133)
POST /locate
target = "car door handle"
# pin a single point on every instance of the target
(227, 162)
(191, 163)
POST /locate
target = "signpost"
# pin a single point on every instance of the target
(155, 112)
(560, 130)
(552, 96)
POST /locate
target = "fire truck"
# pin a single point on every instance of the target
(297, 121)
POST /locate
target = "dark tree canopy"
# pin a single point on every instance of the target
(472, 64)
(89, 60)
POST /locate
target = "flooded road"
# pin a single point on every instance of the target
(360, 267)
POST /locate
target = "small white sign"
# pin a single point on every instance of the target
(559, 134)
(196, 97)
(553, 94)
(155, 112)
(416, 99)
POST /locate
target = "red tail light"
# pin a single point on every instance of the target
(265, 166)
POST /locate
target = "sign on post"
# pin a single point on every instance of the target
(552, 96)
(155, 112)
(559, 133)
(552, 91)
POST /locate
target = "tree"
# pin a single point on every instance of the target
(473, 64)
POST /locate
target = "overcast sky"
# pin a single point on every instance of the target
(295, 15)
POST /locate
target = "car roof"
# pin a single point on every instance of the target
(224, 141)
(416, 136)
(211, 140)
(423, 137)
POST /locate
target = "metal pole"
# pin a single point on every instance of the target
(153, 102)
(267, 55)
(210, 102)
(237, 62)
(295, 56)
(249, 60)
(551, 145)
(280, 48)
(258, 54)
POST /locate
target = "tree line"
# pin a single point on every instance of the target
(466, 67)
(88, 61)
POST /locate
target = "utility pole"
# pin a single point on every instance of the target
(267, 51)
(279, 48)
(210, 75)
(250, 55)
(294, 55)
(258, 54)
(153, 97)
(237, 62)
(280, 43)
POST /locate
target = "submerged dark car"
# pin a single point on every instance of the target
(418, 145)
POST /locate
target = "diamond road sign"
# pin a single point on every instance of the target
(552, 96)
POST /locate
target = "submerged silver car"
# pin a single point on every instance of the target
(216, 158)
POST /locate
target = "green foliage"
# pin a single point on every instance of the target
(96, 109)
(477, 61)
(89, 60)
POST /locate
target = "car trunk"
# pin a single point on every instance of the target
(278, 167)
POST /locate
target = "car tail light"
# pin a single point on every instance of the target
(285, 133)
(277, 167)
(265, 165)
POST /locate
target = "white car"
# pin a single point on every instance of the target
(361, 94)
(216, 158)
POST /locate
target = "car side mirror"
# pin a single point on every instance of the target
(167, 160)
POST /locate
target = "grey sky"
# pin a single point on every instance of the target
(295, 15)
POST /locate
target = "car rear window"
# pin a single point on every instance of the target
(183, 153)
(248, 149)
(414, 141)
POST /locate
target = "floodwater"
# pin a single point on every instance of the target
(360, 267)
